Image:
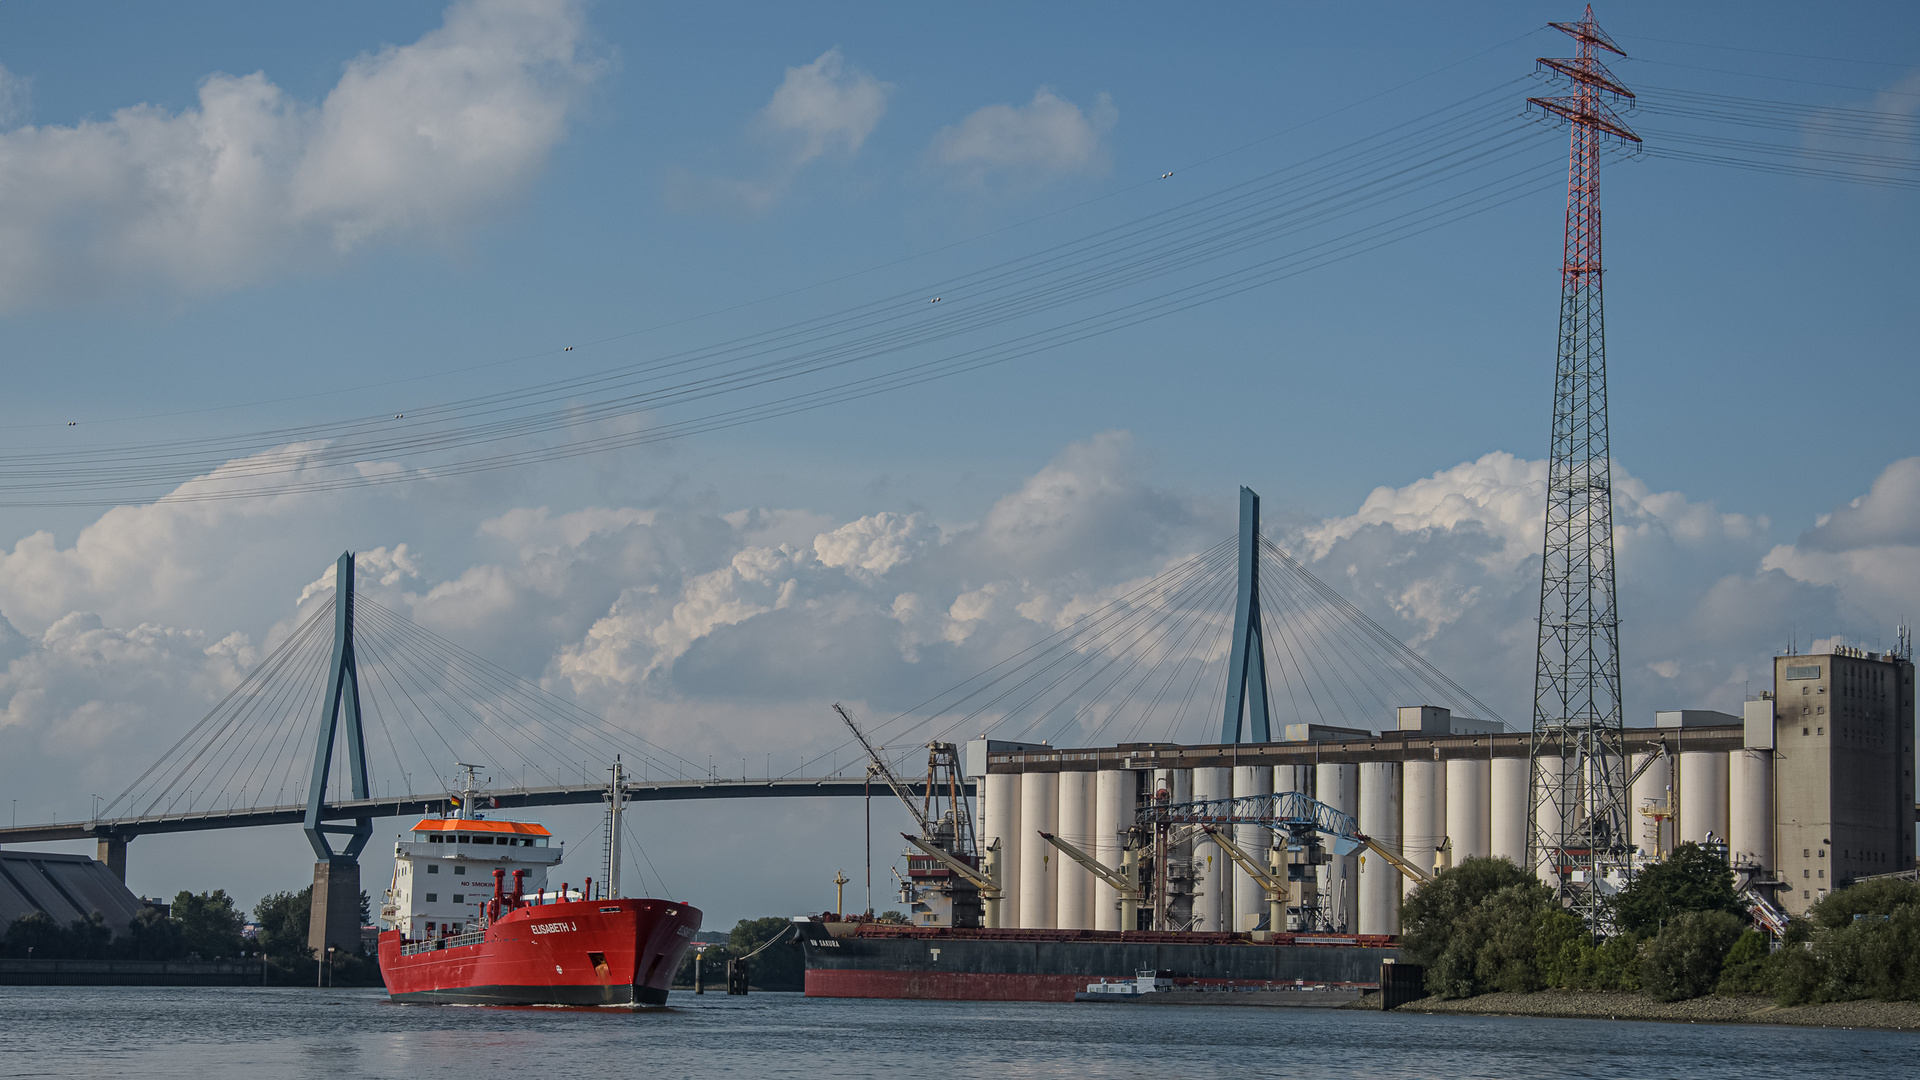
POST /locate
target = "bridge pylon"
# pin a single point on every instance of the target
(335, 916)
(1247, 666)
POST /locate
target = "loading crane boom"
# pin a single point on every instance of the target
(1276, 888)
(945, 858)
(885, 771)
(1123, 880)
(1414, 873)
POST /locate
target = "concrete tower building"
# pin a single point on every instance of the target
(1843, 770)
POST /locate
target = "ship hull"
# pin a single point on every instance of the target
(1042, 965)
(605, 952)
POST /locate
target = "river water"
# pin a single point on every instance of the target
(139, 1032)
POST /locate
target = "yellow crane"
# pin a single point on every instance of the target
(1124, 881)
(1417, 875)
(1276, 887)
(988, 883)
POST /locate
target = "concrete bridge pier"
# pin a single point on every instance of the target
(335, 916)
(112, 850)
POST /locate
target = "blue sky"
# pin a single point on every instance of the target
(655, 179)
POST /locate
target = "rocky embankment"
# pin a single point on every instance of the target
(1595, 1005)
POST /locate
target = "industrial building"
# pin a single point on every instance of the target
(1810, 788)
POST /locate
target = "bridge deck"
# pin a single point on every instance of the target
(657, 791)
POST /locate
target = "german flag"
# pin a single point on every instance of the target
(456, 802)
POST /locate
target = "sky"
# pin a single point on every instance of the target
(301, 258)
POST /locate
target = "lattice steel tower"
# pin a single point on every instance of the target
(1578, 813)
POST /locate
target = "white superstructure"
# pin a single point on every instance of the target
(443, 872)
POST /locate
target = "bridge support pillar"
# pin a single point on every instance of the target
(335, 917)
(112, 850)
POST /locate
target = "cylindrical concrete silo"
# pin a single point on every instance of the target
(1112, 815)
(1507, 810)
(1210, 878)
(1380, 820)
(1249, 899)
(1703, 795)
(1039, 812)
(1293, 778)
(1422, 825)
(1467, 808)
(1072, 882)
(1339, 787)
(1652, 835)
(1750, 808)
(1554, 803)
(1000, 821)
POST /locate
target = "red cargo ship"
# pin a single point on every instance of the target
(458, 934)
(572, 952)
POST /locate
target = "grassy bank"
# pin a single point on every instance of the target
(1711, 1009)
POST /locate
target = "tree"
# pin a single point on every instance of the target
(782, 966)
(1875, 899)
(283, 919)
(1474, 928)
(1690, 879)
(36, 936)
(1685, 960)
(153, 935)
(89, 937)
(209, 923)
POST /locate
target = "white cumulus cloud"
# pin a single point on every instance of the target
(1025, 144)
(415, 142)
(820, 108)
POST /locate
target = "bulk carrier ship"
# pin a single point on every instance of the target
(952, 948)
(459, 933)
(877, 960)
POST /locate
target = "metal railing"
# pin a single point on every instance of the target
(471, 937)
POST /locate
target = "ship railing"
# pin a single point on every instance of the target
(472, 937)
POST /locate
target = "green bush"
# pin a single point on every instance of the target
(1685, 960)
(1872, 898)
(1475, 928)
(1585, 964)
(1747, 968)
(1690, 879)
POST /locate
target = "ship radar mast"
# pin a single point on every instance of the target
(467, 788)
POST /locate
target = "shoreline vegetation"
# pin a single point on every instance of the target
(1677, 946)
(1710, 1009)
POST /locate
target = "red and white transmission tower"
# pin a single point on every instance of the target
(1579, 827)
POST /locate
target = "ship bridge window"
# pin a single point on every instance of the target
(433, 868)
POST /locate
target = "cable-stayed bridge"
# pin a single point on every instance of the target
(362, 714)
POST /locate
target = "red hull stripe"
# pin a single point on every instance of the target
(942, 985)
(539, 995)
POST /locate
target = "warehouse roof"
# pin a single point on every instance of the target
(66, 887)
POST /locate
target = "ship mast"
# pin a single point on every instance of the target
(616, 804)
(466, 791)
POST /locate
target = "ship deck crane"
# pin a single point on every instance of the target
(886, 771)
(1276, 888)
(987, 883)
(1123, 881)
